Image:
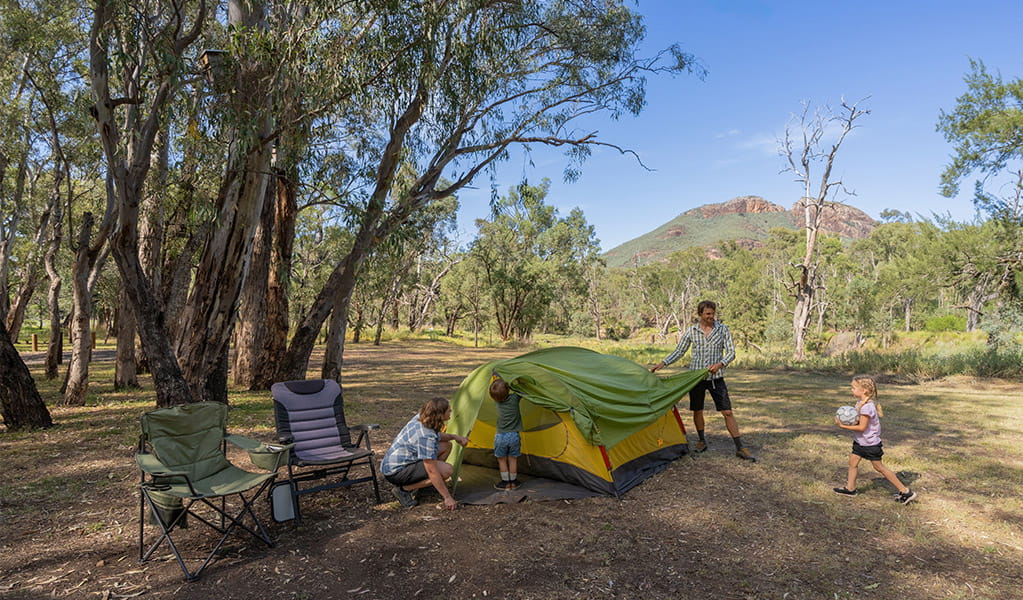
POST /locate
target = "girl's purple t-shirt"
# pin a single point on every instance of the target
(871, 436)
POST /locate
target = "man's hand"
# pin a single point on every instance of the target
(656, 367)
(714, 368)
(449, 504)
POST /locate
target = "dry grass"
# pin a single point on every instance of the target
(710, 527)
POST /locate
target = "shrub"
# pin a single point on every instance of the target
(945, 323)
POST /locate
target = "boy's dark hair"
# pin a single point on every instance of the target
(499, 390)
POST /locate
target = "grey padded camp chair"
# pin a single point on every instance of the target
(186, 476)
(310, 415)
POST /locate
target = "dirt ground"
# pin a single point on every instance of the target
(709, 527)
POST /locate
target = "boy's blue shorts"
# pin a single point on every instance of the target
(507, 444)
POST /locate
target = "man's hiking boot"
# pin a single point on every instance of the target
(906, 498)
(701, 446)
(745, 455)
(404, 496)
(845, 492)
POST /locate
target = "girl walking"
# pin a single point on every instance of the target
(867, 442)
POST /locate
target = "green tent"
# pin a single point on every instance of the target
(595, 420)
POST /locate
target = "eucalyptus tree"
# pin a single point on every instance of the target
(986, 127)
(445, 87)
(581, 264)
(899, 259)
(463, 297)
(528, 255)
(462, 82)
(137, 63)
(672, 288)
(72, 145)
(20, 404)
(50, 138)
(16, 131)
(967, 258)
(747, 293)
(319, 244)
(142, 60)
(429, 249)
(15, 145)
(598, 304)
(807, 144)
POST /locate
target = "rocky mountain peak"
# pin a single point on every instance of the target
(740, 205)
(842, 219)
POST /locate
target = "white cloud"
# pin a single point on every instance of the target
(763, 144)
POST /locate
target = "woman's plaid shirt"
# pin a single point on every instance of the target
(414, 442)
(707, 349)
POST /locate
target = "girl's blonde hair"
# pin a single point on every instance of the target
(866, 383)
(432, 413)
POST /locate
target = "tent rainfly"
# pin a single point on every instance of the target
(594, 420)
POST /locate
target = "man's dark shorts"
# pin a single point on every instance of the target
(409, 474)
(718, 391)
(868, 452)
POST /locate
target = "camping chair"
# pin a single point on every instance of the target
(310, 414)
(183, 456)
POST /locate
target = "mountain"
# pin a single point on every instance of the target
(746, 220)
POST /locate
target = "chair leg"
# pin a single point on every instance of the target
(376, 484)
(294, 494)
(165, 534)
(294, 500)
(142, 520)
(225, 530)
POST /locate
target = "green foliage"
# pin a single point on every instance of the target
(532, 261)
(747, 293)
(986, 127)
(945, 323)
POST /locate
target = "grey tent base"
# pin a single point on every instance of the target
(476, 486)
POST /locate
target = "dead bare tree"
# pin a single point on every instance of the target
(813, 139)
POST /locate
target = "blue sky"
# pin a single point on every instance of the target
(715, 139)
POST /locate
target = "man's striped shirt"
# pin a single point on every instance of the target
(707, 349)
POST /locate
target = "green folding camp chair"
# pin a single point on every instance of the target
(183, 456)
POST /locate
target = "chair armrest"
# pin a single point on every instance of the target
(245, 443)
(265, 456)
(152, 466)
(363, 430)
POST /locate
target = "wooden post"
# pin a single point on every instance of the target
(35, 342)
(93, 334)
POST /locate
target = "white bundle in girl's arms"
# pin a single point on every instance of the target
(847, 415)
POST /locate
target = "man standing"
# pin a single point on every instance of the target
(713, 349)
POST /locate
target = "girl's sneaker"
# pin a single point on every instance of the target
(845, 492)
(906, 498)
